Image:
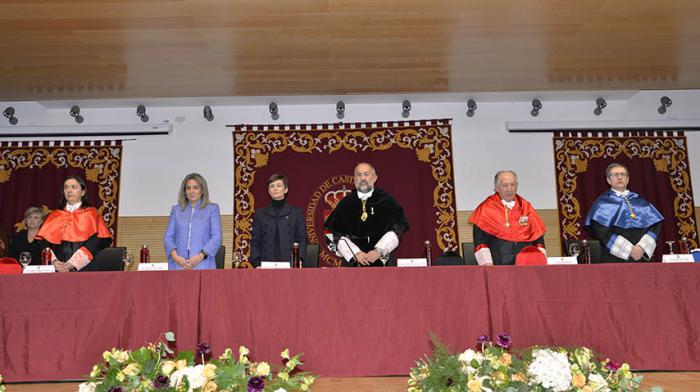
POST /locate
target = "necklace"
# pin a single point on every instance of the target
(629, 206)
(363, 217)
(506, 211)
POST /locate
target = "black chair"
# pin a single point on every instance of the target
(593, 245)
(311, 259)
(220, 257)
(449, 258)
(108, 259)
(468, 253)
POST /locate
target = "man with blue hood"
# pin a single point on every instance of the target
(626, 224)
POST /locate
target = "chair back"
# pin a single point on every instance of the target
(311, 259)
(468, 253)
(220, 257)
(107, 259)
(449, 258)
(10, 266)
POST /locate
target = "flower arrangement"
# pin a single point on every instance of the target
(2, 386)
(157, 367)
(494, 367)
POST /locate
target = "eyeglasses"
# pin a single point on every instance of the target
(621, 175)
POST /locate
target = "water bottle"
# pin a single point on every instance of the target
(428, 253)
(585, 252)
(295, 256)
(685, 245)
(145, 256)
(46, 256)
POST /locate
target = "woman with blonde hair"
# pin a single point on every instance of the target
(193, 235)
(24, 241)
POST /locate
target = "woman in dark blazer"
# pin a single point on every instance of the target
(23, 240)
(277, 226)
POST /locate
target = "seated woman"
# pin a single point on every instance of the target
(193, 235)
(24, 240)
(277, 226)
(75, 231)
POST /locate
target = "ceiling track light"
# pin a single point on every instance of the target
(536, 107)
(406, 106)
(471, 108)
(600, 104)
(9, 114)
(75, 113)
(340, 110)
(208, 114)
(665, 104)
(274, 111)
(141, 113)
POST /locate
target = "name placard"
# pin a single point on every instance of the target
(412, 262)
(561, 260)
(39, 269)
(275, 265)
(686, 258)
(153, 267)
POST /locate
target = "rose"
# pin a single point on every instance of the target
(161, 381)
(474, 385)
(167, 367)
(578, 380)
(256, 384)
(505, 359)
(504, 340)
(210, 387)
(209, 371)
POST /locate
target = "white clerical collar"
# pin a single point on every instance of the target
(621, 194)
(509, 204)
(73, 207)
(365, 196)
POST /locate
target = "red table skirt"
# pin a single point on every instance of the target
(350, 322)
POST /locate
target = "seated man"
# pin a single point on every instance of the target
(626, 225)
(368, 223)
(505, 223)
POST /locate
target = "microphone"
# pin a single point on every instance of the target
(354, 263)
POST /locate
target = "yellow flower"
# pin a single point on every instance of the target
(243, 350)
(519, 377)
(181, 364)
(132, 369)
(505, 359)
(309, 380)
(120, 356)
(106, 355)
(94, 373)
(209, 371)
(167, 367)
(285, 354)
(586, 389)
(120, 377)
(474, 385)
(228, 354)
(578, 380)
(262, 370)
(283, 376)
(210, 387)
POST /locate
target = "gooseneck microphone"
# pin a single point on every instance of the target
(354, 263)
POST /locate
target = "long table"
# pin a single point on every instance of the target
(350, 322)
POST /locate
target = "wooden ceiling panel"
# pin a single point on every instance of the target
(85, 49)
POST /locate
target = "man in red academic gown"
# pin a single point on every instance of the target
(505, 223)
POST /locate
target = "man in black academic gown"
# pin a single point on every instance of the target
(368, 223)
(626, 224)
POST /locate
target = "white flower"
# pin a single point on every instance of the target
(87, 387)
(194, 375)
(280, 390)
(597, 383)
(467, 356)
(551, 370)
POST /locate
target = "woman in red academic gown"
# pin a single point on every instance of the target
(75, 231)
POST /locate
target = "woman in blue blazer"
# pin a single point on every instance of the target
(193, 235)
(277, 226)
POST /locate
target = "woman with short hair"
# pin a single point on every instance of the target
(25, 239)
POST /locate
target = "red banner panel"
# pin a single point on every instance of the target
(413, 161)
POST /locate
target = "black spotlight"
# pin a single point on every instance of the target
(141, 112)
(208, 114)
(536, 107)
(274, 111)
(665, 103)
(75, 113)
(471, 108)
(9, 114)
(600, 104)
(406, 109)
(340, 110)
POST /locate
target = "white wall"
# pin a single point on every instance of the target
(153, 166)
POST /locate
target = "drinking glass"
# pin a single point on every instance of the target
(574, 249)
(127, 259)
(25, 258)
(670, 246)
(384, 259)
(237, 259)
